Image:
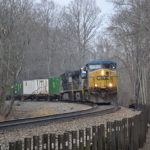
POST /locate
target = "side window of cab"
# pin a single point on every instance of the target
(84, 72)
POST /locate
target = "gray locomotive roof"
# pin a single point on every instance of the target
(101, 62)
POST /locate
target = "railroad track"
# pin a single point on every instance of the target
(23, 123)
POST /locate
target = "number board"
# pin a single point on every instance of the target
(102, 77)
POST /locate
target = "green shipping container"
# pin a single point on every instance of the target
(18, 88)
(54, 85)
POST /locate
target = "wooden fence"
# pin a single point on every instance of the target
(127, 134)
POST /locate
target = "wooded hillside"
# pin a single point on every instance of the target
(42, 39)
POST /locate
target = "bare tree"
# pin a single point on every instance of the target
(13, 42)
(43, 40)
(83, 19)
(130, 28)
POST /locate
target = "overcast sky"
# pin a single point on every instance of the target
(105, 6)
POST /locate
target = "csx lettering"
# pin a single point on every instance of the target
(102, 78)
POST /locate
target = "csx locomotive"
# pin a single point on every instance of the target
(96, 82)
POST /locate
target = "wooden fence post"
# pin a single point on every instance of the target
(113, 135)
(74, 140)
(12, 146)
(121, 135)
(101, 137)
(66, 141)
(131, 134)
(27, 144)
(125, 135)
(136, 132)
(94, 138)
(81, 139)
(52, 141)
(148, 113)
(118, 135)
(35, 142)
(140, 131)
(88, 138)
(45, 142)
(145, 121)
(108, 136)
(143, 128)
(19, 145)
(60, 142)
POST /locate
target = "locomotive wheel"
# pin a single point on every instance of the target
(104, 94)
(78, 96)
(65, 96)
(86, 96)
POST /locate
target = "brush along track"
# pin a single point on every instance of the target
(23, 123)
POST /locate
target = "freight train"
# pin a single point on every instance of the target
(96, 82)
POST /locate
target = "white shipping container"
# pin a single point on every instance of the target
(30, 87)
(43, 86)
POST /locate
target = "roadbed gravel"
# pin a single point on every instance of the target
(35, 109)
(61, 127)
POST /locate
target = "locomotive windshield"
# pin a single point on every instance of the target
(95, 67)
(109, 66)
(101, 66)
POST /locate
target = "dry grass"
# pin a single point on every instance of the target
(2, 118)
(34, 109)
(43, 112)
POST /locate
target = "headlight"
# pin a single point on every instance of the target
(96, 85)
(110, 85)
(102, 72)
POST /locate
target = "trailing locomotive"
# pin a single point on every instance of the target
(96, 82)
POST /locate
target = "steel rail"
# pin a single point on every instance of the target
(97, 110)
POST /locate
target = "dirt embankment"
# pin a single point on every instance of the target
(35, 109)
(2, 118)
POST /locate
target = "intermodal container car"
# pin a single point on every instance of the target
(42, 87)
(54, 85)
(30, 87)
(18, 88)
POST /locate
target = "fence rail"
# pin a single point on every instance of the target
(126, 134)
